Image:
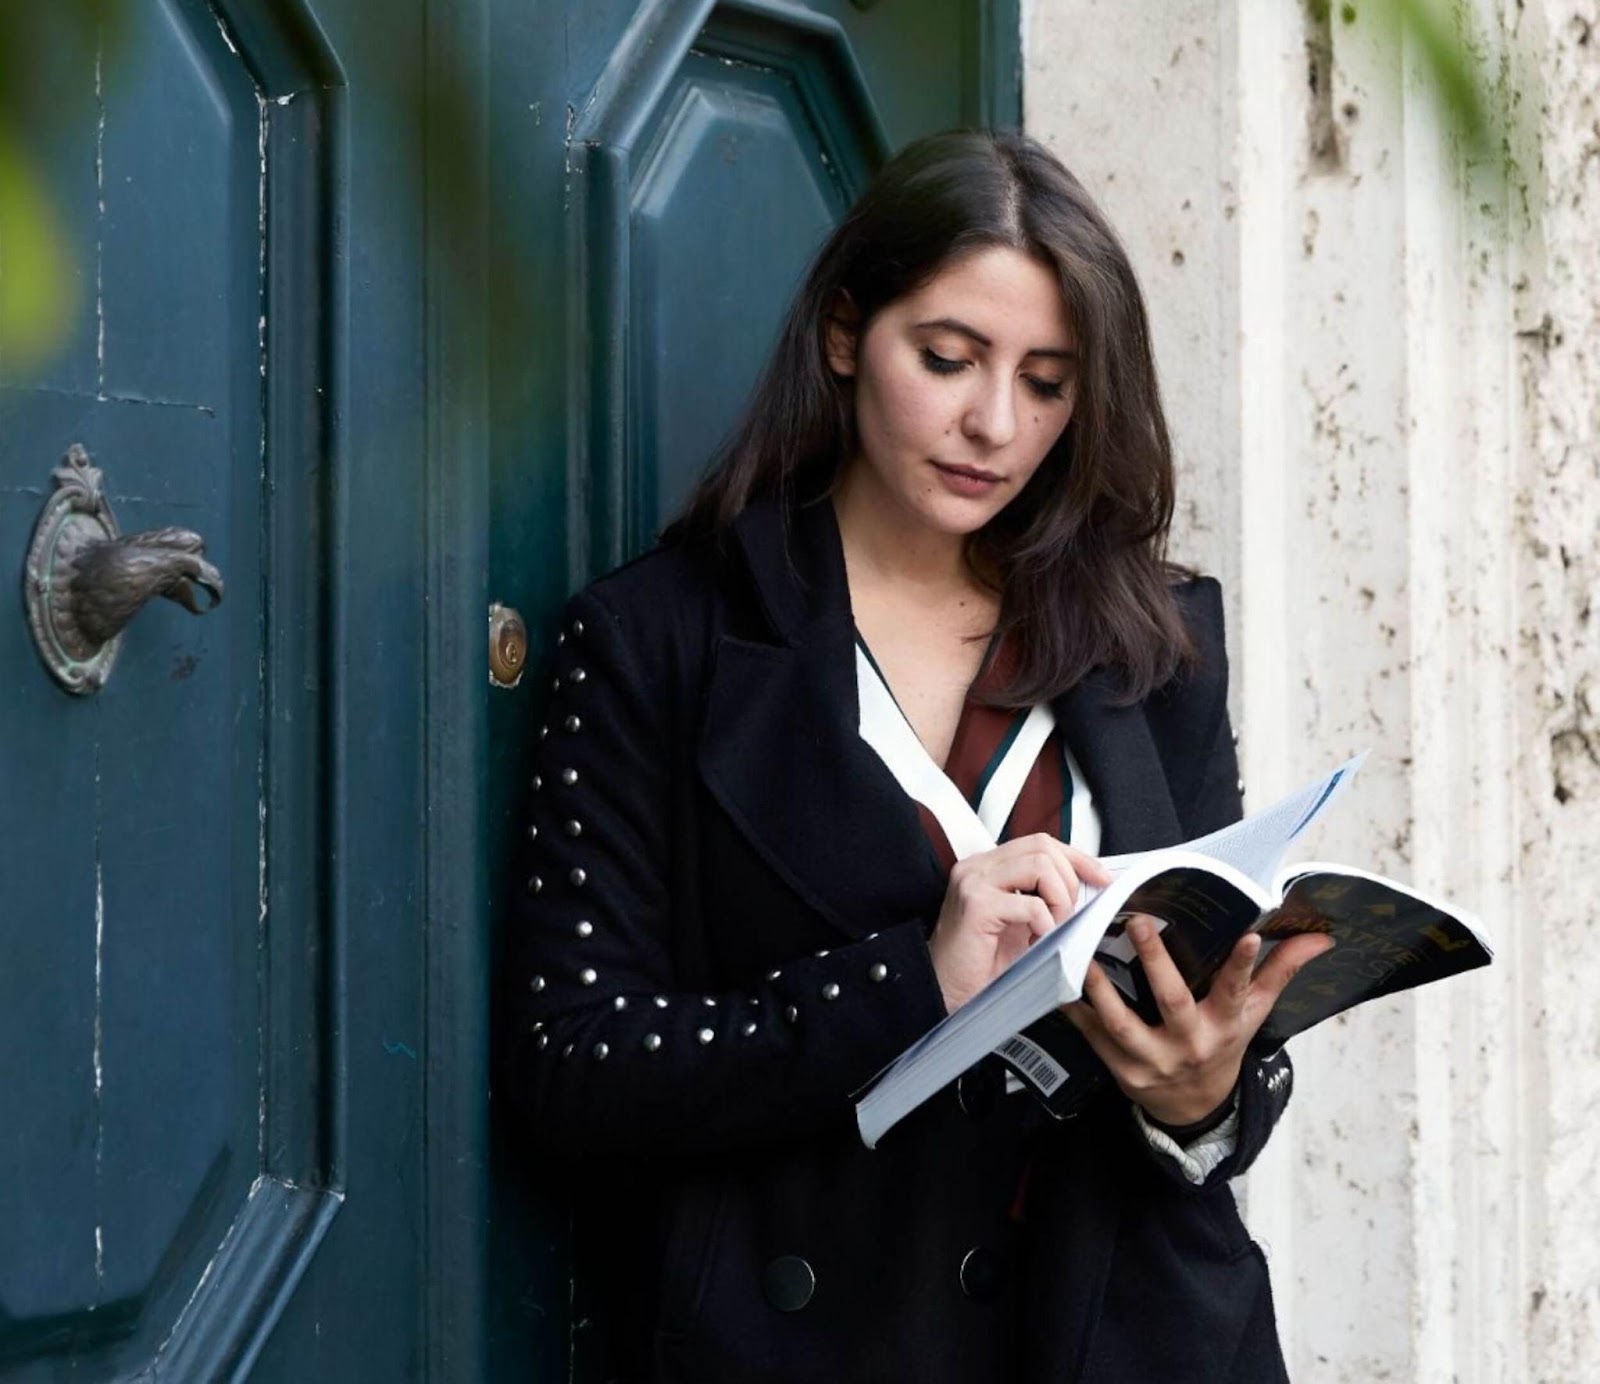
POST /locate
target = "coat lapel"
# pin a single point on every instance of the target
(1119, 759)
(781, 749)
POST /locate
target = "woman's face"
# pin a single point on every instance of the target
(974, 373)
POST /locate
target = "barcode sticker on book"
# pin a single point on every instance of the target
(1033, 1062)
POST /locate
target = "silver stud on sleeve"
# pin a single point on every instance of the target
(572, 723)
(561, 638)
(661, 1001)
(709, 1002)
(544, 732)
(600, 1051)
(774, 974)
(535, 884)
(577, 876)
(533, 832)
(567, 1051)
(538, 783)
(574, 827)
(705, 1036)
(822, 953)
(620, 1003)
(830, 991)
(569, 777)
(652, 1041)
(749, 1028)
(536, 984)
(878, 971)
(792, 1014)
(587, 976)
(576, 675)
(544, 1041)
(585, 928)
(577, 627)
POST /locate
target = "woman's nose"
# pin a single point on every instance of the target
(992, 416)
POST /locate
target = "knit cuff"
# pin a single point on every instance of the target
(1202, 1157)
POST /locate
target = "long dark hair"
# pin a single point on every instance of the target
(1080, 553)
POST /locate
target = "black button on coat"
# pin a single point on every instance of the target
(720, 932)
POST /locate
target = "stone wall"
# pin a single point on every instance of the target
(1382, 367)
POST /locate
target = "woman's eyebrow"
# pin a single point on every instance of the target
(952, 324)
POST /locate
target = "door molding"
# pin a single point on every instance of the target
(607, 508)
(298, 1190)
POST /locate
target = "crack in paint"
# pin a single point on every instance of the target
(99, 1038)
(222, 28)
(263, 544)
(100, 219)
(101, 397)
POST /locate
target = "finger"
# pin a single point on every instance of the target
(1119, 1023)
(1063, 897)
(1088, 867)
(1024, 911)
(1170, 989)
(1286, 961)
(1074, 1011)
(1123, 1066)
(1075, 862)
(1231, 987)
(1036, 870)
(1027, 919)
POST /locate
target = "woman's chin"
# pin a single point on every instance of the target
(953, 515)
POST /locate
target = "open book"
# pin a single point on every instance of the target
(1204, 895)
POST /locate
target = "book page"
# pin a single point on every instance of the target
(1256, 845)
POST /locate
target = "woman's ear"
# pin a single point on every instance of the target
(840, 333)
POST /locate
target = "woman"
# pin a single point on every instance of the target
(948, 502)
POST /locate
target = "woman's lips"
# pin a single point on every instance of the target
(965, 482)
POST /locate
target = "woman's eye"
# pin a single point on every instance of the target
(941, 365)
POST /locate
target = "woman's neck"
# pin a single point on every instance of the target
(888, 548)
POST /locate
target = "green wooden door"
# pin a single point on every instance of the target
(666, 170)
(400, 309)
(242, 924)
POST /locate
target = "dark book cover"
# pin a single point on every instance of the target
(1386, 940)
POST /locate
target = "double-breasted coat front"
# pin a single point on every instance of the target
(719, 933)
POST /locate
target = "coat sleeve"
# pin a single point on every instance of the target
(1215, 799)
(606, 1051)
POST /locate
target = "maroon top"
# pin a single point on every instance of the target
(983, 735)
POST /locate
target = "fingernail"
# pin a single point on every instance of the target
(1140, 930)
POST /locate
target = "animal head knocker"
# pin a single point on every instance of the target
(85, 581)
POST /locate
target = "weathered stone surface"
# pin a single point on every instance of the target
(1382, 370)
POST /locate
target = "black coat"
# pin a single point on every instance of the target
(720, 932)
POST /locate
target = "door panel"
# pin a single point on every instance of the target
(148, 1224)
(741, 167)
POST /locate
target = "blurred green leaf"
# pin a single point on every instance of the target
(1454, 67)
(38, 290)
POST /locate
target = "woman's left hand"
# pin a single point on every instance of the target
(1181, 1070)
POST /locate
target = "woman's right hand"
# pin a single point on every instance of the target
(997, 902)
